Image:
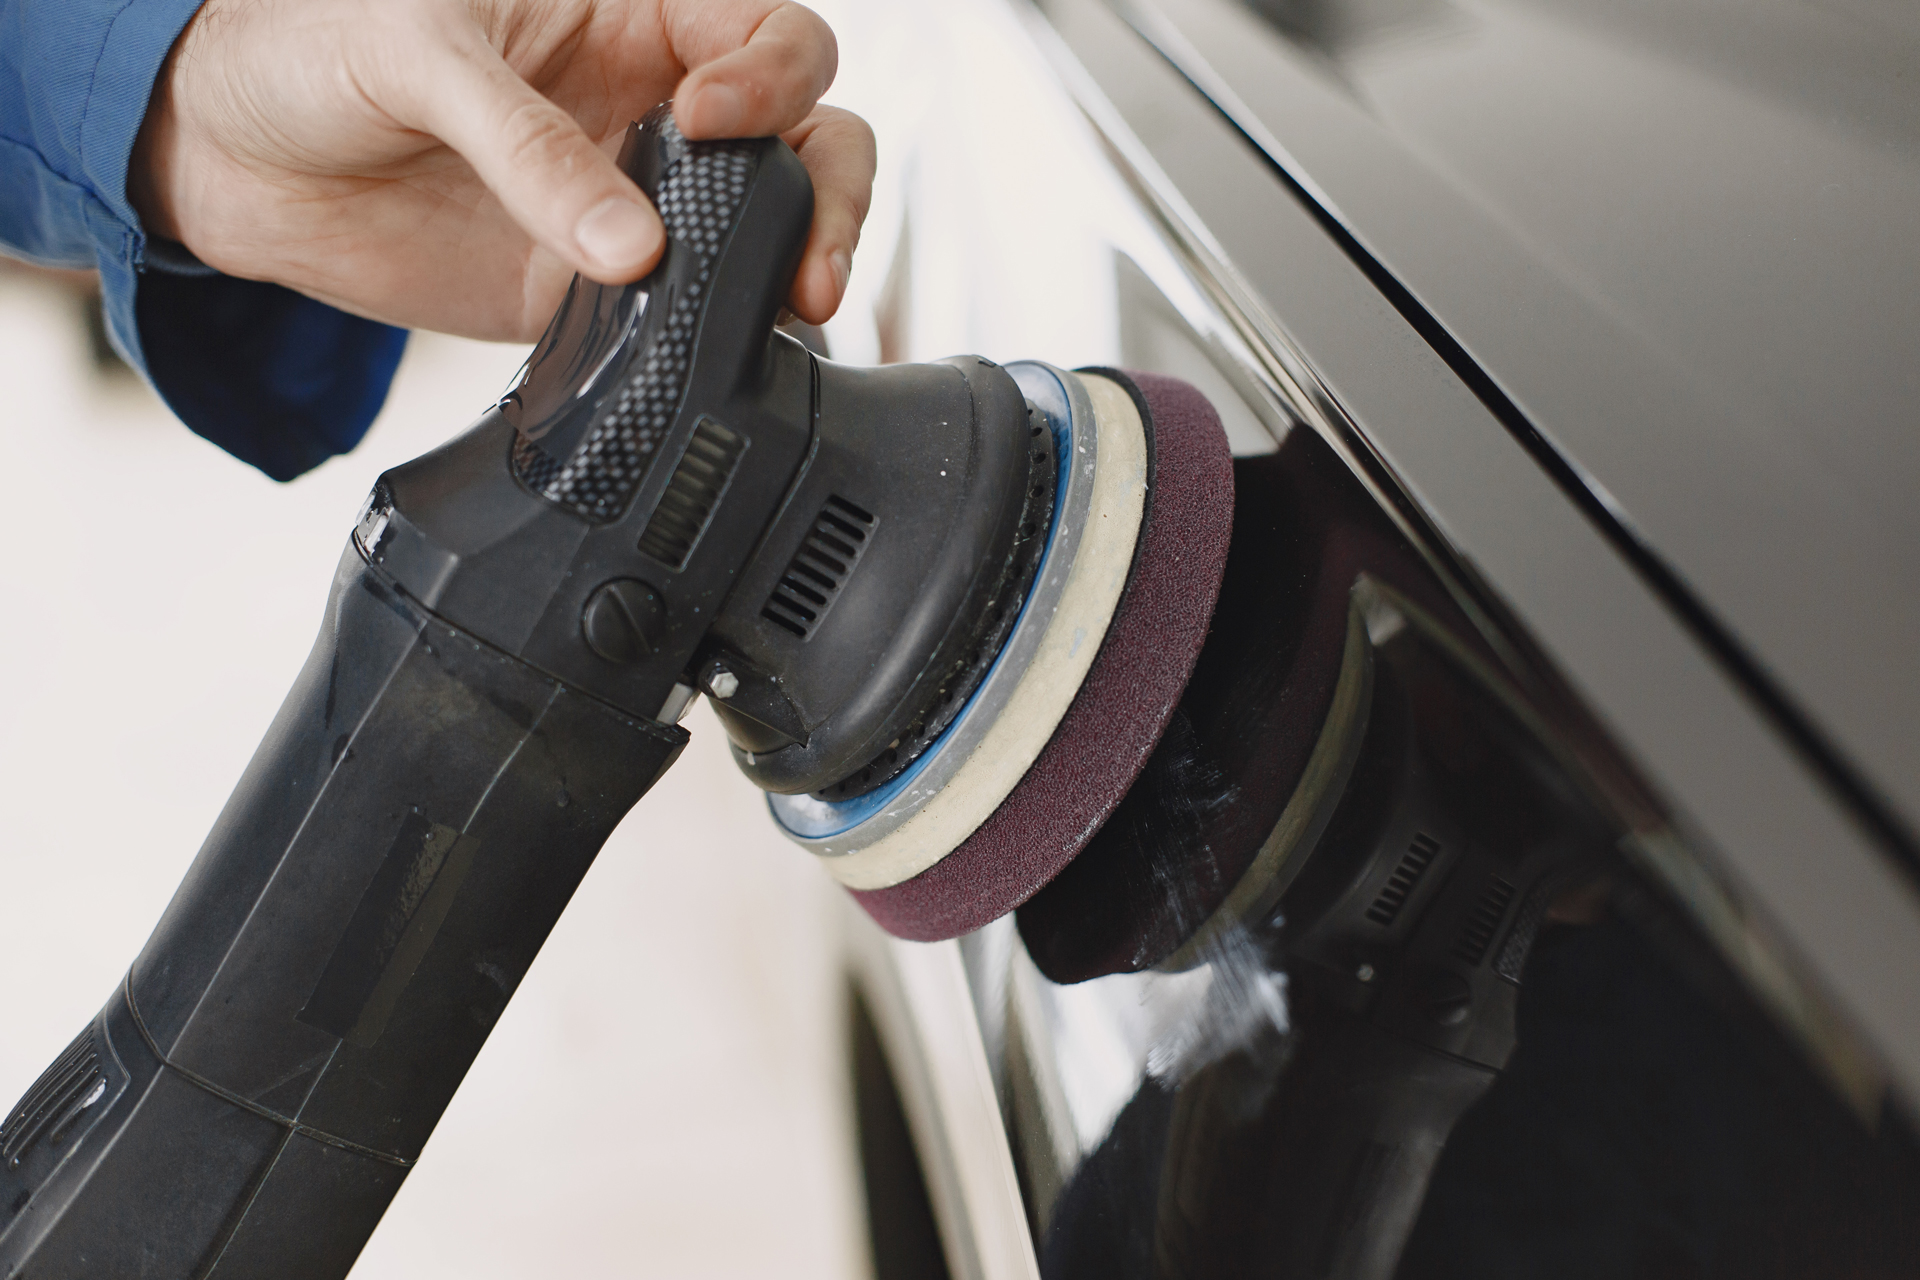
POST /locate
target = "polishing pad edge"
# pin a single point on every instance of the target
(1096, 580)
(1128, 698)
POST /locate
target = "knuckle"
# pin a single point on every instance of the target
(539, 135)
(792, 65)
(816, 32)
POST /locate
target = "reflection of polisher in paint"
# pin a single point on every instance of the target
(1405, 930)
(1311, 813)
(943, 611)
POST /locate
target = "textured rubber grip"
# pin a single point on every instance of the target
(594, 466)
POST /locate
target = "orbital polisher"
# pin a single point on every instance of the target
(943, 611)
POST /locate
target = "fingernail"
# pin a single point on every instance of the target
(617, 233)
(842, 267)
(718, 110)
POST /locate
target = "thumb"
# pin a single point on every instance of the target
(546, 172)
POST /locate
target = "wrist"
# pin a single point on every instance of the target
(153, 168)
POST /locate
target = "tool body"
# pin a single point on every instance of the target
(946, 614)
(674, 496)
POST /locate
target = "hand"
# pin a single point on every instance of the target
(447, 164)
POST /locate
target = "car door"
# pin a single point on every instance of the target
(1528, 974)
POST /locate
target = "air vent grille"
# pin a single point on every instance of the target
(822, 565)
(67, 1088)
(1477, 934)
(692, 493)
(1405, 878)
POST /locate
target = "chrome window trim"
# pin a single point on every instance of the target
(929, 1027)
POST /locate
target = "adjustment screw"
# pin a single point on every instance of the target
(723, 683)
(625, 620)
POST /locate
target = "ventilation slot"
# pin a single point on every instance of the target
(1405, 878)
(820, 567)
(1477, 936)
(692, 493)
(68, 1087)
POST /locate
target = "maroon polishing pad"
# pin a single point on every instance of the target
(1124, 703)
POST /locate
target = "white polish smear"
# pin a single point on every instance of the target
(1227, 1002)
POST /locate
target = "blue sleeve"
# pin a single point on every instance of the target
(273, 377)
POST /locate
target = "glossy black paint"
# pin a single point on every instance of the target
(1239, 741)
(1655, 720)
(1651, 1117)
(1561, 1079)
(1671, 250)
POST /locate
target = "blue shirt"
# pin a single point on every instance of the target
(271, 376)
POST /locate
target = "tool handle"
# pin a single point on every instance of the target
(653, 434)
(442, 775)
(601, 394)
(401, 844)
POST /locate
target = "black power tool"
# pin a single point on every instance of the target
(860, 567)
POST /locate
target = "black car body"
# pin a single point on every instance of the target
(1603, 323)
